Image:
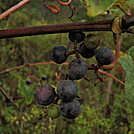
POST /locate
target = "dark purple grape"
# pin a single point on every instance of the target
(91, 41)
(67, 90)
(29, 81)
(76, 36)
(44, 77)
(45, 95)
(77, 69)
(70, 110)
(85, 52)
(104, 56)
(58, 54)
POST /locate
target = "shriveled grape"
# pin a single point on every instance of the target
(85, 52)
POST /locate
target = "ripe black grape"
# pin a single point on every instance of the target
(45, 95)
(104, 56)
(44, 77)
(85, 52)
(29, 81)
(76, 36)
(67, 90)
(91, 41)
(77, 69)
(70, 110)
(58, 54)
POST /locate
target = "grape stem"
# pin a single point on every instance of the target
(32, 77)
(90, 67)
(117, 44)
(75, 50)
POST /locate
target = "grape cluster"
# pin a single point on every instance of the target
(67, 91)
(85, 46)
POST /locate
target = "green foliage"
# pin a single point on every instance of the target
(26, 91)
(128, 66)
(97, 115)
(95, 7)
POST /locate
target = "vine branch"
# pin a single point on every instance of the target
(65, 28)
(58, 28)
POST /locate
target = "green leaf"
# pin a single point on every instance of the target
(131, 51)
(97, 7)
(128, 66)
(130, 3)
(25, 91)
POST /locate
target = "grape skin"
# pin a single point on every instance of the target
(53, 111)
(45, 95)
(29, 81)
(58, 54)
(67, 90)
(77, 69)
(70, 110)
(104, 56)
(91, 41)
(85, 52)
(76, 36)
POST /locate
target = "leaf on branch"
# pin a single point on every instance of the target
(25, 90)
(128, 66)
(97, 7)
(120, 2)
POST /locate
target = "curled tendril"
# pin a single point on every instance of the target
(55, 11)
(64, 3)
(54, 8)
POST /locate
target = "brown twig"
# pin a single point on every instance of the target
(85, 78)
(32, 77)
(13, 9)
(113, 77)
(90, 66)
(75, 50)
(98, 75)
(56, 76)
(8, 98)
(122, 10)
(27, 65)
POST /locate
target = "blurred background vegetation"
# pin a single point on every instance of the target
(106, 109)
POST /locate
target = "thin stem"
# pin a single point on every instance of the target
(113, 77)
(90, 67)
(109, 67)
(122, 10)
(13, 9)
(8, 98)
(28, 65)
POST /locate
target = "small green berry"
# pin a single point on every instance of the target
(53, 111)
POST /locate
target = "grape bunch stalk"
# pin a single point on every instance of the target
(64, 100)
